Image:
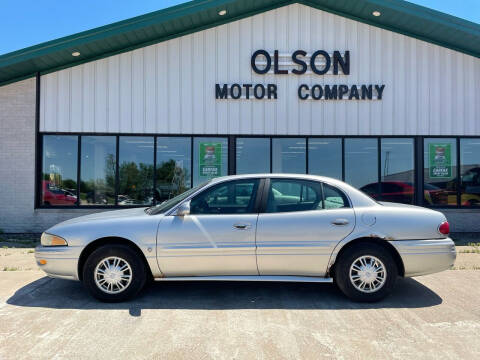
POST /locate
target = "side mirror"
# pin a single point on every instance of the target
(183, 209)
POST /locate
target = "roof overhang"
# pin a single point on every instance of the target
(396, 15)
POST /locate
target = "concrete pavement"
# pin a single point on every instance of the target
(431, 317)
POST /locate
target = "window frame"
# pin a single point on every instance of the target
(39, 203)
(456, 175)
(266, 190)
(256, 201)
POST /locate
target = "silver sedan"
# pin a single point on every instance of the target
(272, 227)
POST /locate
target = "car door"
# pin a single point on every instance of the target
(217, 237)
(300, 225)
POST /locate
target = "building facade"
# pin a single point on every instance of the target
(295, 87)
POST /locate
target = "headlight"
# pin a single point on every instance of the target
(52, 240)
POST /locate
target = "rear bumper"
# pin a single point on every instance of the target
(61, 261)
(422, 257)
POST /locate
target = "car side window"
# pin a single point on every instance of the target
(232, 197)
(334, 198)
(286, 195)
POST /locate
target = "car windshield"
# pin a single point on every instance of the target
(170, 203)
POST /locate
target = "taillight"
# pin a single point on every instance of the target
(444, 228)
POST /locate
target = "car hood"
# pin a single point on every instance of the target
(106, 215)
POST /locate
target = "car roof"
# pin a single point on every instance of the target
(279, 175)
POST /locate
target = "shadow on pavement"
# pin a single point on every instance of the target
(64, 294)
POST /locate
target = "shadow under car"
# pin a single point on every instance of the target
(205, 295)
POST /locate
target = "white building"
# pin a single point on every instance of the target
(386, 97)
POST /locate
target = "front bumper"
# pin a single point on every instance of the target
(422, 257)
(61, 261)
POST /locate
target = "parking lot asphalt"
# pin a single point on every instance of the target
(430, 317)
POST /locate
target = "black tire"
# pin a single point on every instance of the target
(344, 263)
(138, 273)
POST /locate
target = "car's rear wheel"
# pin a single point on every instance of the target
(114, 273)
(366, 272)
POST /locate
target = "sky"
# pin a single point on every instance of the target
(29, 22)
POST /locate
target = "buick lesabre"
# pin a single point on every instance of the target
(272, 227)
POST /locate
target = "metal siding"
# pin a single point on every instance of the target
(101, 95)
(162, 87)
(125, 86)
(113, 90)
(150, 89)
(169, 87)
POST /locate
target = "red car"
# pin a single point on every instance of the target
(53, 195)
(403, 192)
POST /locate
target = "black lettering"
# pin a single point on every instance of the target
(354, 93)
(269, 62)
(367, 92)
(247, 90)
(379, 89)
(300, 94)
(342, 90)
(262, 93)
(238, 93)
(344, 62)
(300, 62)
(221, 92)
(327, 62)
(272, 91)
(276, 70)
(330, 94)
(315, 89)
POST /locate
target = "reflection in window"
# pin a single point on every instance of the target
(97, 178)
(173, 167)
(361, 164)
(397, 166)
(294, 195)
(253, 155)
(440, 166)
(232, 197)
(325, 157)
(334, 198)
(135, 170)
(470, 171)
(59, 170)
(210, 158)
(288, 155)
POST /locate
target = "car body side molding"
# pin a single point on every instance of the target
(249, 278)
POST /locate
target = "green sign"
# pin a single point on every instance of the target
(210, 160)
(440, 160)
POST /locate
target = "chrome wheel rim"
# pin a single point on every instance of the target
(113, 275)
(368, 274)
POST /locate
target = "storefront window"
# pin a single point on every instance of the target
(440, 167)
(174, 166)
(397, 167)
(325, 157)
(59, 170)
(361, 164)
(470, 172)
(210, 158)
(289, 155)
(253, 155)
(135, 170)
(97, 174)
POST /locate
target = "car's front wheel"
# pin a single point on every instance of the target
(114, 273)
(366, 272)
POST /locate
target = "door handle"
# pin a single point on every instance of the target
(242, 226)
(340, 222)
